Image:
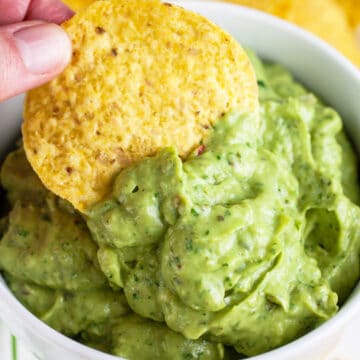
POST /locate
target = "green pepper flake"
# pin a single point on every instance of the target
(194, 212)
(189, 245)
(46, 218)
(188, 356)
(261, 83)
(176, 261)
(23, 232)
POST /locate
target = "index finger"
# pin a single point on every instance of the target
(48, 10)
(13, 11)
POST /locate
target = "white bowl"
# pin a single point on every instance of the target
(314, 63)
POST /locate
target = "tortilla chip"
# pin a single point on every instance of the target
(144, 75)
(332, 25)
(276, 7)
(324, 18)
(352, 9)
(77, 5)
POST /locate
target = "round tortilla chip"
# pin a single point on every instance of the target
(144, 75)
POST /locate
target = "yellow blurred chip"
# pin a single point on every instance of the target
(276, 7)
(324, 18)
(352, 9)
(144, 75)
(331, 25)
(77, 5)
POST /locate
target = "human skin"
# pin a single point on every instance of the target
(33, 48)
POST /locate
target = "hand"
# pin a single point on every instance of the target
(33, 49)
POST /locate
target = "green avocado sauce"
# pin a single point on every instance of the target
(249, 243)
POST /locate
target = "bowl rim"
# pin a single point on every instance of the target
(348, 310)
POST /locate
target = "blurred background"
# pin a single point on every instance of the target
(335, 21)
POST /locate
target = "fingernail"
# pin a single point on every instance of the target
(43, 48)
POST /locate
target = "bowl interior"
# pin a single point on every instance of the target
(312, 62)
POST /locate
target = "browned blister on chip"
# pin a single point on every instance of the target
(144, 75)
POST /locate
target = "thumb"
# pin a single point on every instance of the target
(31, 53)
